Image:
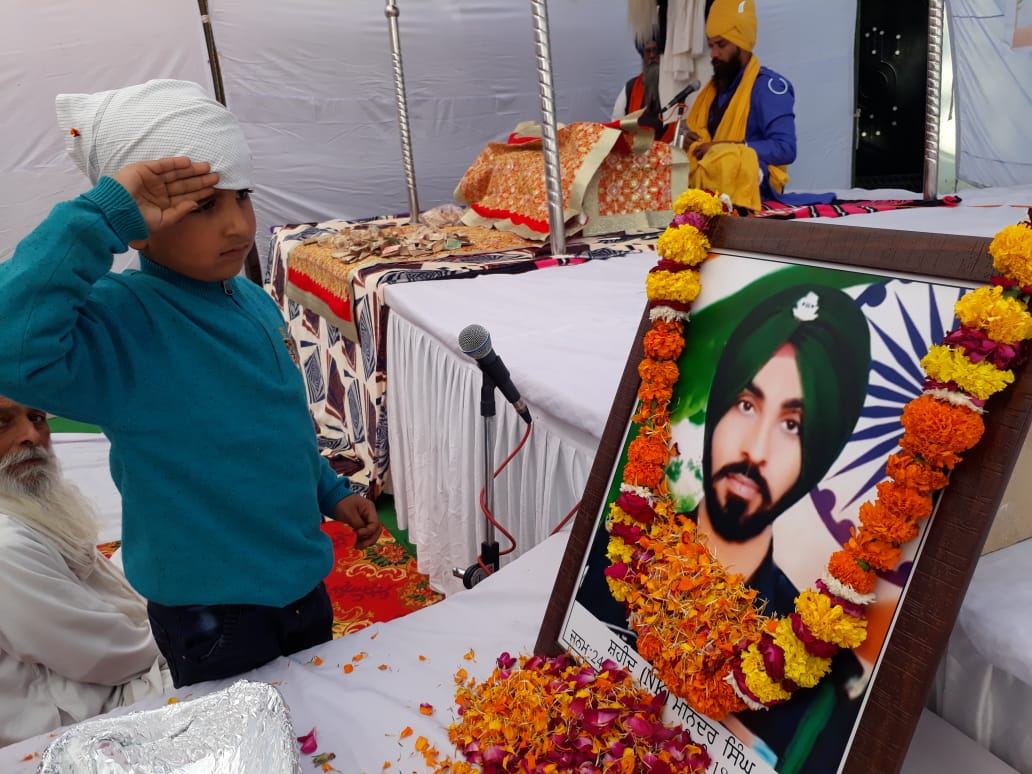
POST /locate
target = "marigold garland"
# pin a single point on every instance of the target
(696, 622)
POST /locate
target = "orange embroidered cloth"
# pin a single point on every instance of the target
(612, 178)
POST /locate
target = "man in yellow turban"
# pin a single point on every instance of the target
(741, 129)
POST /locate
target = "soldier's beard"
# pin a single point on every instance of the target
(730, 520)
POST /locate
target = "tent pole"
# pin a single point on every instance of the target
(213, 57)
(550, 142)
(933, 99)
(391, 12)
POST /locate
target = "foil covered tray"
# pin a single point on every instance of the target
(243, 729)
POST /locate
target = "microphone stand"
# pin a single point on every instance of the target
(489, 554)
(679, 132)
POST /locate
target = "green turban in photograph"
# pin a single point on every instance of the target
(833, 352)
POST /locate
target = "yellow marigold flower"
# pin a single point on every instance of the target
(800, 667)
(619, 590)
(680, 286)
(945, 364)
(828, 622)
(757, 679)
(1011, 250)
(1004, 319)
(619, 551)
(684, 244)
(619, 515)
(695, 200)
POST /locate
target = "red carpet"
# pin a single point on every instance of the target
(378, 584)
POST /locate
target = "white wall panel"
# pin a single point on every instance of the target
(994, 90)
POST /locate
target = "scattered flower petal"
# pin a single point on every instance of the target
(308, 743)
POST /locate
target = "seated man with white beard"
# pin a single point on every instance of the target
(642, 92)
(74, 636)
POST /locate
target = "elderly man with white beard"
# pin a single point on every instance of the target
(74, 636)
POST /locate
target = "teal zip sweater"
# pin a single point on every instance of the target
(212, 444)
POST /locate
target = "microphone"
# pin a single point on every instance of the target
(679, 97)
(475, 341)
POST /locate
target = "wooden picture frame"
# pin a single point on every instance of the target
(939, 580)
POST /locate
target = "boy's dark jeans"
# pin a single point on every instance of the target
(209, 642)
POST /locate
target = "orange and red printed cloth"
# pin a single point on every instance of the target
(613, 177)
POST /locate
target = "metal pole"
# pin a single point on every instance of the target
(213, 57)
(550, 141)
(391, 12)
(489, 440)
(933, 99)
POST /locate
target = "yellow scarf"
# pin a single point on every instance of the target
(733, 168)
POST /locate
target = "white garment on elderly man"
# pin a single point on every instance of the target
(70, 648)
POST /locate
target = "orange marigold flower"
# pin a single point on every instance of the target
(880, 522)
(665, 340)
(903, 501)
(650, 392)
(662, 372)
(845, 569)
(934, 430)
(879, 554)
(649, 449)
(720, 699)
(643, 474)
(905, 469)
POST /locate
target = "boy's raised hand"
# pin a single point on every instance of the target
(165, 190)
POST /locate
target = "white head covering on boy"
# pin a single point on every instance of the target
(154, 120)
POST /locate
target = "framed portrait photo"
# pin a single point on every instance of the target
(803, 347)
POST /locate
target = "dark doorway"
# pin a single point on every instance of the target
(892, 61)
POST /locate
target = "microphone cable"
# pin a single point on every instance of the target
(486, 511)
(566, 518)
(491, 517)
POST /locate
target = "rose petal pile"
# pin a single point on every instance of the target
(545, 716)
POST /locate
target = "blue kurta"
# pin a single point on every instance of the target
(770, 130)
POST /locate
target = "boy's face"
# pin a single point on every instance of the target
(210, 243)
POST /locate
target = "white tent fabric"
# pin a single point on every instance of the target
(313, 86)
(68, 46)
(992, 51)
